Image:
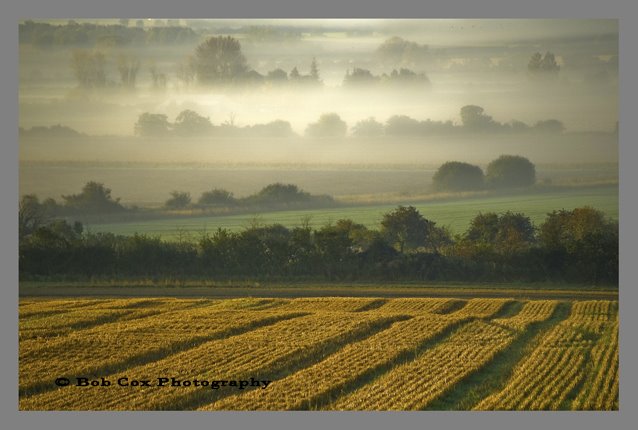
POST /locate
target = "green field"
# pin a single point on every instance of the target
(455, 214)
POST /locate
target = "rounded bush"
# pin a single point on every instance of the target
(458, 176)
(510, 171)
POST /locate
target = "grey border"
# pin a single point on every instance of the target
(625, 10)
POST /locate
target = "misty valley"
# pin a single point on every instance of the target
(192, 131)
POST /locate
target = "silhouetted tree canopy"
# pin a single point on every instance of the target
(581, 243)
(128, 66)
(219, 60)
(396, 50)
(190, 123)
(281, 193)
(89, 68)
(475, 120)
(277, 75)
(54, 131)
(314, 70)
(540, 65)
(359, 76)
(31, 215)
(328, 125)
(216, 197)
(368, 128)
(277, 128)
(311, 78)
(94, 198)
(549, 126)
(510, 171)
(566, 229)
(407, 76)
(402, 125)
(507, 232)
(405, 228)
(403, 76)
(152, 125)
(458, 176)
(178, 200)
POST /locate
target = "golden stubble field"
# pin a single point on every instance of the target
(318, 354)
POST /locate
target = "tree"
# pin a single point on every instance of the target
(543, 66)
(294, 74)
(564, 228)
(314, 70)
(178, 200)
(190, 123)
(334, 249)
(277, 128)
(31, 215)
(438, 237)
(510, 171)
(396, 50)
(458, 176)
(405, 228)
(216, 197)
(253, 76)
(359, 76)
(89, 68)
(54, 131)
(152, 125)
(159, 78)
(407, 76)
(128, 67)
(219, 60)
(328, 125)
(359, 234)
(402, 125)
(581, 244)
(506, 233)
(549, 126)
(185, 73)
(474, 119)
(277, 75)
(368, 128)
(281, 193)
(94, 198)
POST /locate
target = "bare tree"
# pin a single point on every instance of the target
(128, 67)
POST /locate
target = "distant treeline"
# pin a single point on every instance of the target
(53, 131)
(473, 120)
(127, 32)
(577, 246)
(189, 123)
(96, 199)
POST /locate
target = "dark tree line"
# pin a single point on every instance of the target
(578, 246)
(96, 199)
(272, 196)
